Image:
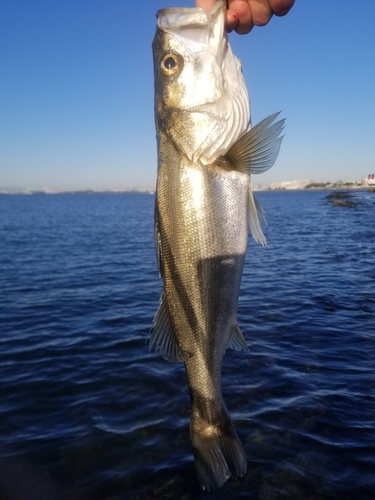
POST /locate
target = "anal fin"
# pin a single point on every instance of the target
(163, 337)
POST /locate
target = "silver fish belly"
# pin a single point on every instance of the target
(204, 211)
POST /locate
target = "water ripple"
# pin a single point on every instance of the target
(88, 413)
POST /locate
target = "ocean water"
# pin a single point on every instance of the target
(87, 413)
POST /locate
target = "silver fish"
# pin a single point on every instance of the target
(204, 211)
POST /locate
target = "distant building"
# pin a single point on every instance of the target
(258, 187)
(296, 184)
(369, 180)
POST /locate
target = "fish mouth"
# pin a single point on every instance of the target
(182, 18)
(194, 26)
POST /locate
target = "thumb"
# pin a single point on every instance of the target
(205, 4)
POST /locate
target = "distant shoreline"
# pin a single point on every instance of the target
(86, 191)
(152, 192)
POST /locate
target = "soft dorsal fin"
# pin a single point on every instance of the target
(256, 151)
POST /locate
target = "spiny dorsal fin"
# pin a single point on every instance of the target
(163, 336)
(256, 151)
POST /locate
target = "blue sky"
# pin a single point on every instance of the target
(76, 91)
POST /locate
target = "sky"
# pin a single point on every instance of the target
(76, 91)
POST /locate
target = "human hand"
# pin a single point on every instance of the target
(243, 15)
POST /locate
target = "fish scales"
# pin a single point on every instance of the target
(202, 268)
(203, 211)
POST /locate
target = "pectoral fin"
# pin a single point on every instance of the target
(254, 153)
(257, 150)
(163, 336)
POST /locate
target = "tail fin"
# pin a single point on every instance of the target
(218, 452)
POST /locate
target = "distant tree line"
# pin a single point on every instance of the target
(322, 185)
(317, 185)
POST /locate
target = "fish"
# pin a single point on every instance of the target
(204, 212)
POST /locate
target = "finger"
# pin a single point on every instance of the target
(242, 10)
(231, 20)
(261, 11)
(231, 17)
(281, 7)
(205, 4)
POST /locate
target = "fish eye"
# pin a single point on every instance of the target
(170, 64)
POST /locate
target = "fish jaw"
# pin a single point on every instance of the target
(204, 107)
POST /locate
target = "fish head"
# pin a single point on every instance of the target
(201, 101)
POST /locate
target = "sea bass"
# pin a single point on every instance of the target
(203, 213)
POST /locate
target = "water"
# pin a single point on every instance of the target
(87, 413)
